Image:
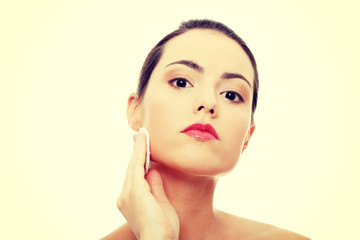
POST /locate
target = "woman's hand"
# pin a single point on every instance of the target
(143, 201)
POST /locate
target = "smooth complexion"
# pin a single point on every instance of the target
(206, 77)
(166, 109)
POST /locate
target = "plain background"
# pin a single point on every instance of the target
(67, 68)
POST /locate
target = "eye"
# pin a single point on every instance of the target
(233, 96)
(180, 83)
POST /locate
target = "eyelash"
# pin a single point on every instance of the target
(237, 95)
(174, 82)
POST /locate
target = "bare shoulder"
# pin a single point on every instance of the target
(122, 233)
(243, 228)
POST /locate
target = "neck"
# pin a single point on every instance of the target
(192, 197)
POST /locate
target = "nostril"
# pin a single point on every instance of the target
(211, 111)
(201, 107)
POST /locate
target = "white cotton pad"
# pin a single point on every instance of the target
(147, 160)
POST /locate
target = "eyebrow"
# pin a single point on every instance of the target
(189, 64)
(200, 69)
(235, 75)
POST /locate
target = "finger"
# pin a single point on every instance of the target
(134, 181)
(130, 163)
(156, 185)
(136, 165)
(139, 150)
(138, 153)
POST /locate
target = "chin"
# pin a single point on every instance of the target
(196, 163)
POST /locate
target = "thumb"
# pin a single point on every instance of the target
(156, 185)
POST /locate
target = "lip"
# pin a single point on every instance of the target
(201, 131)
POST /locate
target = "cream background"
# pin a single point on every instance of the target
(67, 68)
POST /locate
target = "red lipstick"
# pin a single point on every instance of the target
(201, 131)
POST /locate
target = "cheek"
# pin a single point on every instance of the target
(157, 119)
(235, 130)
(163, 119)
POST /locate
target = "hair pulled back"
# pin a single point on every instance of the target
(155, 54)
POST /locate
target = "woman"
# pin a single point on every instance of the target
(196, 96)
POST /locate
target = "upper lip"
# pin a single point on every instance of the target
(204, 127)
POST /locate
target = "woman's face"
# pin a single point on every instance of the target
(202, 77)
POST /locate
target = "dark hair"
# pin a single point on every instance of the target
(155, 54)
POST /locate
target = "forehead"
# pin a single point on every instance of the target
(211, 49)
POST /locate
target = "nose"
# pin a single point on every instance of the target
(207, 105)
(212, 111)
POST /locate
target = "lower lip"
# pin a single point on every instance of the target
(200, 135)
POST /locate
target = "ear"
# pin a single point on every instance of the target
(134, 112)
(248, 136)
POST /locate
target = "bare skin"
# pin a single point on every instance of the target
(237, 228)
(175, 199)
(192, 199)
